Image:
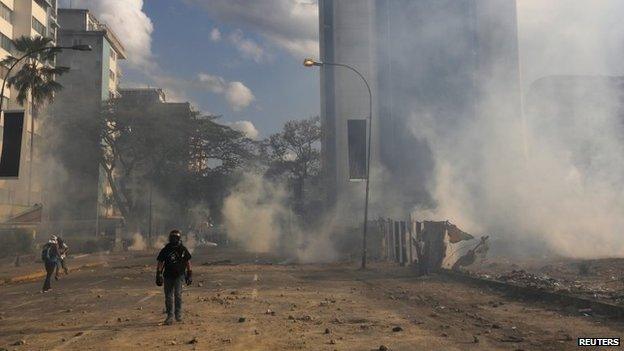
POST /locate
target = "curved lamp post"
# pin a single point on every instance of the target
(32, 122)
(6, 76)
(308, 62)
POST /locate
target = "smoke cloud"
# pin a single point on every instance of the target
(237, 94)
(257, 217)
(549, 180)
(128, 20)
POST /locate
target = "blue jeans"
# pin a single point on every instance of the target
(173, 291)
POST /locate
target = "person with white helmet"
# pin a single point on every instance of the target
(50, 256)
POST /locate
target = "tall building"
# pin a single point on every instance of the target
(76, 183)
(430, 63)
(23, 18)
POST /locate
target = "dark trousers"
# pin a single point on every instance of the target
(61, 264)
(173, 291)
(49, 267)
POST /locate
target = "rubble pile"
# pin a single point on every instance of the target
(525, 278)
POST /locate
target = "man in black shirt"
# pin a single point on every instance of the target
(175, 260)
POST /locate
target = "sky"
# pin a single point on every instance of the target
(238, 59)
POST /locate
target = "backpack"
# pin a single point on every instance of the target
(45, 253)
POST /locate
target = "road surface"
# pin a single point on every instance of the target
(246, 305)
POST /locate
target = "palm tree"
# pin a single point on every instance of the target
(34, 81)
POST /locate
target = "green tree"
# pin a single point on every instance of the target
(294, 153)
(34, 81)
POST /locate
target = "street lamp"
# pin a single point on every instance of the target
(32, 118)
(6, 76)
(309, 62)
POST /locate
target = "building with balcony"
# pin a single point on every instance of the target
(77, 185)
(23, 18)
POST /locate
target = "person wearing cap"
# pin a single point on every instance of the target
(50, 256)
(174, 267)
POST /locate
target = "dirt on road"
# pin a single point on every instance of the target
(239, 303)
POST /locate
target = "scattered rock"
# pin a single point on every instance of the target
(383, 348)
(119, 319)
(270, 312)
(173, 342)
(512, 338)
(226, 340)
(99, 296)
(200, 285)
(397, 329)
(444, 335)
(78, 334)
(193, 341)
(495, 326)
(68, 310)
(327, 331)
(332, 342)
(19, 342)
(241, 320)
(256, 332)
(140, 308)
(475, 339)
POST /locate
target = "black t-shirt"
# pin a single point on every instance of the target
(175, 258)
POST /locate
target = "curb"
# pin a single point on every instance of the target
(39, 275)
(561, 299)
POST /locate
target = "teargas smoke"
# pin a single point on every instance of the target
(138, 243)
(549, 179)
(258, 218)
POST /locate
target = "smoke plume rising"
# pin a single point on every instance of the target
(257, 217)
(550, 180)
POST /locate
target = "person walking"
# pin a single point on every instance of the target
(174, 267)
(50, 256)
(63, 249)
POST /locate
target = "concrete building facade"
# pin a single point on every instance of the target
(76, 189)
(438, 61)
(23, 18)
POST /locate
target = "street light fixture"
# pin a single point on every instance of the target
(47, 48)
(309, 62)
(32, 121)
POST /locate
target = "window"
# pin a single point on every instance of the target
(6, 43)
(38, 27)
(6, 13)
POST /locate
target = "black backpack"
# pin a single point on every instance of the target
(45, 252)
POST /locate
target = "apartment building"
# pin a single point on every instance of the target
(75, 196)
(23, 18)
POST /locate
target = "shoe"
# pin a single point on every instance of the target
(168, 321)
(178, 318)
(56, 277)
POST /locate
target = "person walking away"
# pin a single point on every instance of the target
(174, 267)
(63, 250)
(50, 257)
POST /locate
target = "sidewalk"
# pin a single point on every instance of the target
(32, 269)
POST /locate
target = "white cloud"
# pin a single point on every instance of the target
(237, 94)
(291, 25)
(215, 35)
(247, 47)
(129, 22)
(245, 127)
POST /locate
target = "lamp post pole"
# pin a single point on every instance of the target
(32, 121)
(309, 63)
